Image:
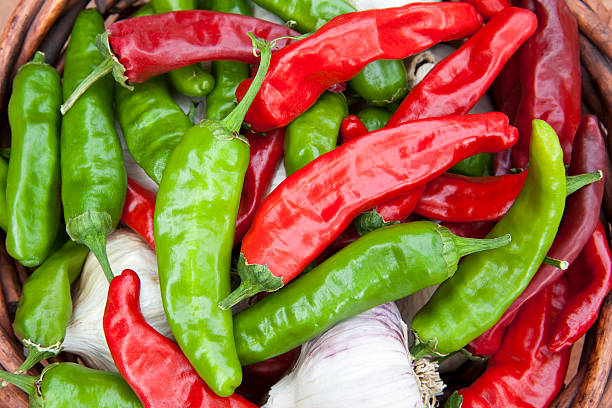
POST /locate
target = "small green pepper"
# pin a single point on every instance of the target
(94, 180)
(374, 118)
(380, 267)
(62, 385)
(45, 305)
(479, 165)
(33, 180)
(315, 132)
(195, 218)
(485, 285)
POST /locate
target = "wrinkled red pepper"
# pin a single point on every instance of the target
(549, 77)
(138, 210)
(590, 278)
(336, 52)
(524, 372)
(304, 214)
(151, 45)
(154, 366)
(579, 220)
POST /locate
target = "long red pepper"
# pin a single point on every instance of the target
(524, 372)
(590, 278)
(306, 212)
(138, 210)
(154, 366)
(336, 52)
(549, 77)
(456, 83)
(580, 218)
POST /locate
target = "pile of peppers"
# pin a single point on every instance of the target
(507, 201)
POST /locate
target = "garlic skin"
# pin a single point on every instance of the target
(361, 362)
(84, 334)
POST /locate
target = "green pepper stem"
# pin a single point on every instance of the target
(575, 183)
(33, 358)
(557, 263)
(467, 246)
(24, 382)
(39, 58)
(454, 401)
(234, 120)
(105, 67)
(370, 221)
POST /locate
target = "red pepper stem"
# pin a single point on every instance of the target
(24, 382)
(575, 183)
(234, 120)
(557, 263)
(465, 246)
(90, 229)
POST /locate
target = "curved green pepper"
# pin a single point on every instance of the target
(45, 305)
(315, 132)
(94, 180)
(485, 285)
(191, 80)
(380, 267)
(3, 206)
(380, 82)
(195, 217)
(228, 74)
(479, 165)
(374, 118)
(32, 190)
(62, 385)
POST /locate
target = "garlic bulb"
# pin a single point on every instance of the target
(361, 362)
(84, 334)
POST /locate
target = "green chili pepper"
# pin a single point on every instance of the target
(32, 190)
(62, 385)
(484, 286)
(374, 118)
(379, 267)
(3, 206)
(479, 165)
(93, 174)
(315, 132)
(167, 6)
(380, 82)
(195, 217)
(228, 74)
(45, 305)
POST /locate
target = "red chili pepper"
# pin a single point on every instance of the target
(524, 372)
(489, 8)
(138, 210)
(351, 128)
(590, 278)
(549, 77)
(304, 214)
(337, 51)
(154, 366)
(579, 221)
(151, 45)
(456, 198)
(266, 152)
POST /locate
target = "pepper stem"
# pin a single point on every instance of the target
(370, 221)
(234, 120)
(465, 246)
(34, 357)
(90, 229)
(575, 183)
(100, 71)
(26, 383)
(557, 263)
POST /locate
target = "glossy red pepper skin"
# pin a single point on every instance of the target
(489, 8)
(154, 366)
(456, 83)
(152, 45)
(138, 210)
(579, 220)
(337, 51)
(351, 128)
(456, 198)
(549, 77)
(590, 278)
(524, 372)
(266, 152)
(310, 209)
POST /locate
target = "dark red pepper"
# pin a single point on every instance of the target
(138, 210)
(524, 372)
(549, 77)
(337, 51)
(258, 378)
(310, 209)
(590, 278)
(579, 221)
(154, 366)
(351, 128)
